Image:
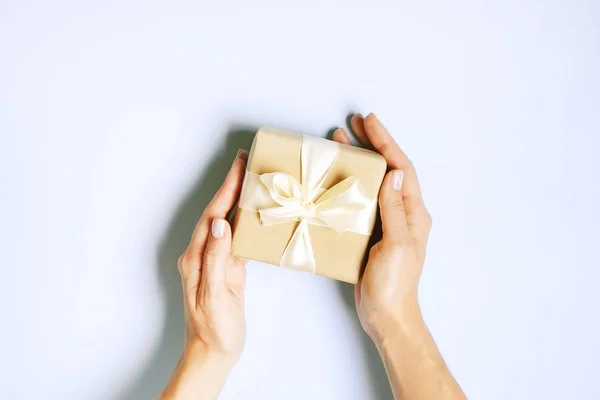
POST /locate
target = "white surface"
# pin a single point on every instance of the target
(114, 124)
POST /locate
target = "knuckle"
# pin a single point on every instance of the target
(181, 262)
(395, 208)
(423, 218)
(386, 148)
(428, 219)
(397, 205)
(211, 254)
(375, 251)
(211, 251)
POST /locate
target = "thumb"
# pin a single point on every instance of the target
(391, 206)
(216, 255)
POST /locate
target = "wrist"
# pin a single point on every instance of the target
(404, 319)
(200, 369)
(197, 354)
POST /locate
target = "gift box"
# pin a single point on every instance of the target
(308, 203)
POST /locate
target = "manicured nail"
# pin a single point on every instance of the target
(218, 228)
(398, 178)
(242, 154)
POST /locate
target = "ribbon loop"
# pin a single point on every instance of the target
(283, 188)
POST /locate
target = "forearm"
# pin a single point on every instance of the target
(415, 367)
(200, 375)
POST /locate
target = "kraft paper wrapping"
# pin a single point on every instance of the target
(339, 256)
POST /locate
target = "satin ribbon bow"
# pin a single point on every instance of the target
(343, 207)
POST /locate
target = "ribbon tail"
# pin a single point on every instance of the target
(298, 253)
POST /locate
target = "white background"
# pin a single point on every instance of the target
(118, 120)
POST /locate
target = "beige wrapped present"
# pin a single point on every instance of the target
(308, 203)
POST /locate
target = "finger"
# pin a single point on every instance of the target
(391, 206)
(358, 127)
(340, 136)
(417, 217)
(221, 203)
(216, 255)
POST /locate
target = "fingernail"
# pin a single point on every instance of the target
(398, 178)
(242, 154)
(218, 228)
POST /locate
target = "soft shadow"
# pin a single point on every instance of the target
(152, 379)
(377, 376)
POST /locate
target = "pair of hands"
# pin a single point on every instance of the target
(214, 281)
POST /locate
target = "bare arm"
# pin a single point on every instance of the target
(199, 374)
(415, 368)
(386, 298)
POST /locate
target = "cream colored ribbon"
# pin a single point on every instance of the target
(279, 198)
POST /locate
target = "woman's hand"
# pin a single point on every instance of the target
(388, 287)
(213, 290)
(213, 280)
(386, 297)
